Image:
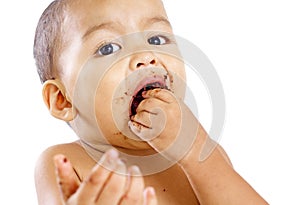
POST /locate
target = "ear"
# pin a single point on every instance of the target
(57, 101)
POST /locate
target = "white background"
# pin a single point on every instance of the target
(255, 48)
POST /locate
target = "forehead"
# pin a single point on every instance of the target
(127, 13)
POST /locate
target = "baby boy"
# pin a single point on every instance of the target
(111, 70)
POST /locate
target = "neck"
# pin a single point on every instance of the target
(137, 152)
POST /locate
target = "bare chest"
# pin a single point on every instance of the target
(172, 188)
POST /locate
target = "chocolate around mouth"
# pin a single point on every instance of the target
(138, 98)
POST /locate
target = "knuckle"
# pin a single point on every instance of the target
(116, 187)
(94, 179)
(143, 114)
(148, 101)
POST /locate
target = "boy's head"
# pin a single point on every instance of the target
(61, 20)
(72, 33)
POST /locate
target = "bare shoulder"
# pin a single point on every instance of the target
(45, 177)
(73, 152)
(67, 148)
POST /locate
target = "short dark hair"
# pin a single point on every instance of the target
(48, 39)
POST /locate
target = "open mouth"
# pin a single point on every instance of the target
(138, 97)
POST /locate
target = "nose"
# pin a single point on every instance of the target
(144, 59)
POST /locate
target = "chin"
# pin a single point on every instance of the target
(123, 142)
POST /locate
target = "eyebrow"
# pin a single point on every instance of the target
(111, 25)
(157, 19)
(102, 26)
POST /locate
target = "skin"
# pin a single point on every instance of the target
(80, 49)
(74, 178)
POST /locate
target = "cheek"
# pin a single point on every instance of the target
(103, 111)
(175, 65)
(103, 101)
(179, 69)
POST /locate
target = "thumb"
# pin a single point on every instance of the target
(66, 176)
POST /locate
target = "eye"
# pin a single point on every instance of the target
(108, 49)
(157, 40)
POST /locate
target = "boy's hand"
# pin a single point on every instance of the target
(165, 123)
(103, 186)
(157, 119)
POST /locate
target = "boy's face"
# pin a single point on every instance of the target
(90, 30)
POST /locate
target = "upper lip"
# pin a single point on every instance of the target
(151, 80)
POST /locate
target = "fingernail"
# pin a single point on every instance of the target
(134, 127)
(135, 171)
(109, 159)
(60, 159)
(130, 124)
(112, 154)
(144, 93)
(120, 167)
(151, 191)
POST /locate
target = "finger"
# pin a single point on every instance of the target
(67, 178)
(150, 105)
(142, 118)
(114, 187)
(134, 194)
(89, 192)
(145, 133)
(161, 94)
(149, 125)
(150, 196)
(137, 128)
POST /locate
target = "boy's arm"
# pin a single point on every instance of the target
(214, 180)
